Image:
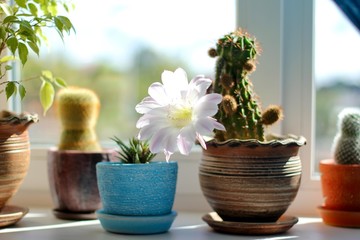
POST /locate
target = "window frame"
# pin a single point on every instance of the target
(284, 76)
(288, 58)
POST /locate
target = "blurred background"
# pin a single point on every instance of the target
(121, 47)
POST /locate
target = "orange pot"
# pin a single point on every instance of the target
(340, 185)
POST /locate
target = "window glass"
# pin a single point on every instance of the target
(119, 49)
(337, 71)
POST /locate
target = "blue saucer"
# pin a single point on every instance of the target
(136, 224)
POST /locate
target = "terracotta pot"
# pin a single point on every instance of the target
(14, 152)
(340, 185)
(250, 181)
(72, 179)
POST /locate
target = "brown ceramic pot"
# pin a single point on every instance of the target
(340, 185)
(72, 179)
(250, 181)
(14, 152)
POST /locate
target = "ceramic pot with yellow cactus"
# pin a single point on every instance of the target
(72, 164)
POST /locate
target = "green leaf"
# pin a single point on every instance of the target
(33, 9)
(34, 47)
(8, 67)
(10, 19)
(22, 91)
(60, 82)
(6, 8)
(47, 75)
(26, 27)
(21, 3)
(6, 59)
(59, 25)
(10, 89)
(67, 25)
(66, 7)
(52, 9)
(23, 52)
(12, 43)
(47, 94)
(2, 33)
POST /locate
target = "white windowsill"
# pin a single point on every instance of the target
(41, 224)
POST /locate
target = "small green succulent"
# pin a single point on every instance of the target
(135, 152)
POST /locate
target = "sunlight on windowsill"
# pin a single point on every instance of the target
(53, 226)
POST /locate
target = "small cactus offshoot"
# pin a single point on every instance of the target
(135, 152)
(347, 141)
(239, 111)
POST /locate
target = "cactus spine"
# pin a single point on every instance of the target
(78, 109)
(239, 111)
(347, 140)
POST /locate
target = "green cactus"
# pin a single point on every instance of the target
(347, 141)
(239, 111)
(78, 109)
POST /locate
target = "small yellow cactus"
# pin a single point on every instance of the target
(78, 109)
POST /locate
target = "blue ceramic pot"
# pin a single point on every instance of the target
(137, 189)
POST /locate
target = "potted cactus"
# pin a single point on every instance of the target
(137, 194)
(340, 176)
(71, 166)
(246, 175)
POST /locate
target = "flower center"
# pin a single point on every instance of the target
(180, 116)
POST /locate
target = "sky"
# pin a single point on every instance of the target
(337, 43)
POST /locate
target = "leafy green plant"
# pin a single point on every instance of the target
(21, 31)
(239, 110)
(135, 152)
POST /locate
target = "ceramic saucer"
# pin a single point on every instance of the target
(74, 215)
(11, 214)
(340, 218)
(136, 224)
(249, 228)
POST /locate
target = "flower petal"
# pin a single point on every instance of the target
(186, 140)
(219, 126)
(207, 105)
(174, 83)
(181, 79)
(146, 105)
(157, 142)
(201, 84)
(157, 92)
(205, 126)
(201, 140)
(171, 145)
(164, 139)
(154, 116)
(148, 131)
